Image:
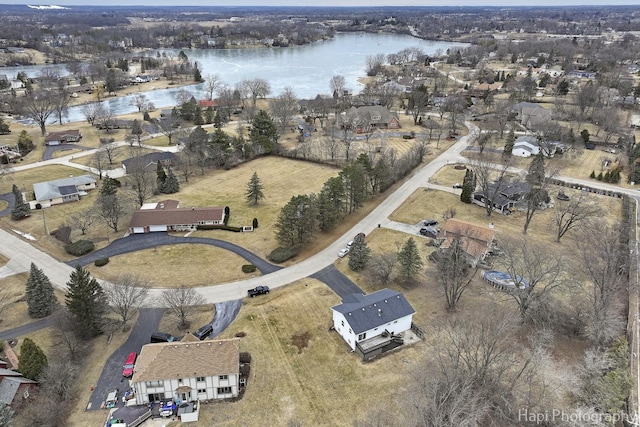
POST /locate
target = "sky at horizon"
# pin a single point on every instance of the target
(329, 3)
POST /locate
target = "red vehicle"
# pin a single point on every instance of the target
(127, 369)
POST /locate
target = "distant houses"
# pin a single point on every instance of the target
(150, 160)
(63, 137)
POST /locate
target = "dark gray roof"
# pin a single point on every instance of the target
(9, 386)
(53, 189)
(365, 312)
(148, 159)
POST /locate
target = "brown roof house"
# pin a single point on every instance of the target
(369, 118)
(14, 388)
(476, 239)
(187, 371)
(168, 216)
(62, 137)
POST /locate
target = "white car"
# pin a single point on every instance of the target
(349, 244)
(343, 252)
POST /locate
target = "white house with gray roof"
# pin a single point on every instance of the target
(367, 321)
(62, 190)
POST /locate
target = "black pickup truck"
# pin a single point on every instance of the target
(258, 290)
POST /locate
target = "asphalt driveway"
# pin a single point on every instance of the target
(11, 200)
(50, 149)
(136, 242)
(338, 282)
(111, 377)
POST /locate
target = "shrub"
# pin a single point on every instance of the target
(79, 248)
(219, 227)
(100, 262)
(255, 222)
(241, 334)
(248, 268)
(227, 212)
(279, 255)
(63, 234)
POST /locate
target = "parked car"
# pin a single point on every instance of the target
(343, 252)
(429, 232)
(349, 244)
(162, 337)
(430, 223)
(203, 332)
(127, 369)
(258, 290)
(457, 185)
(168, 408)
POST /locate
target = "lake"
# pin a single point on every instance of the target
(307, 69)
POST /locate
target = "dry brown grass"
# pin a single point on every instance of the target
(201, 315)
(200, 270)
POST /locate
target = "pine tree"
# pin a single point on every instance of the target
(593, 175)
(536, 173)
(161, 176)
(171, 184)
(87, 302)
(254, 190)
(109, 187)
(264, 132)
(410, 263)
(508, 145)
(39, 294)
(32, 360)
(21, 209)
(467, 187)
(359, 255)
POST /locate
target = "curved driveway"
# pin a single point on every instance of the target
(136, 242)
(11, 200)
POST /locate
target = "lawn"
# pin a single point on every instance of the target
(26, 178)
(191, 265)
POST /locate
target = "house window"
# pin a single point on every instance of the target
(224, 390)
(362, 336)
(223, 377)
(350, 331)
(25, 394)
(150, 384)
(202, 390)
(199, 379)
(342, 323)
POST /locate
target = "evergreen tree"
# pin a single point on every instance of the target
(467, 187)
(4, 127)
(593, 175)
(197, 75)
(536, 173)
(32, 360)
(25, 143)
(410, 263)
(254, 194)
(297, 221)
(161, 176)
(217, 120)
(263, 132)
(87, 302)
(109, 187)
(21, 209)
(6, 415)
(39, 294)
(508, 145)
(197, 116)
(209, 115)
(359, 255)
(171, 184)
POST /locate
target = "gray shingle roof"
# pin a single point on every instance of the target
(365, 312)
(65, 186)
(148, 159)
(9, 386)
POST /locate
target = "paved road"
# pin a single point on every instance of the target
(10, 199)
(27, 329)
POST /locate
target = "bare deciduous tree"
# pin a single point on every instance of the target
(38, 106)
(536, 270)
(453, 270)
(82, 221)
(256, 88)
(142, 177)
(66, 334)
(211, 84)
(284, 107)
(381, 267)
(182, 302)
(125, 294)
(98, 161)
(569, 214)
(489, 181)
(90, 111)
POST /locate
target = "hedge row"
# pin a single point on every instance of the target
(249, 268)
(279, 255)
(220, 227)
(100, 262)
(79, 248)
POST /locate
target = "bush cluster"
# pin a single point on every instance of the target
(100, 262)
(248, 268)
(79, 248)
(281, 254)
(219, 227)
